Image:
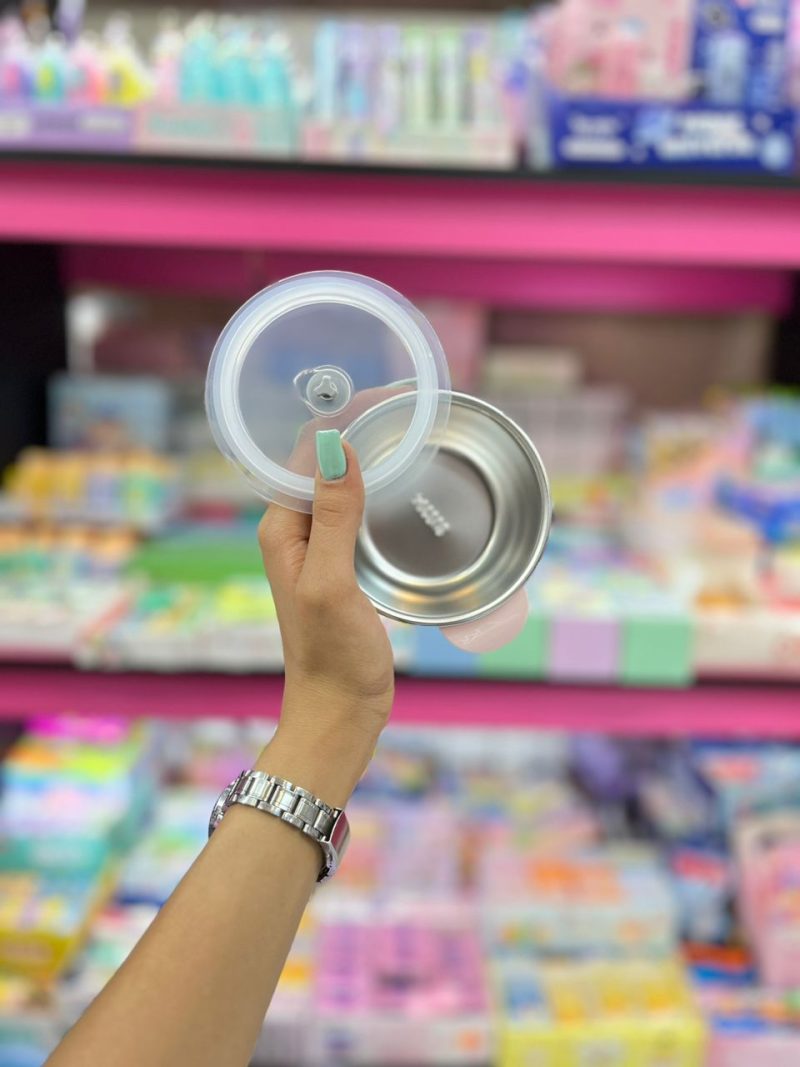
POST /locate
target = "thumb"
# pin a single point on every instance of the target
(337, 513)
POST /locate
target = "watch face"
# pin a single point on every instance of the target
(340, 833)
(336, 845)
(339, 839)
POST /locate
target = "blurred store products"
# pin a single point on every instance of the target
(673, 556)
(579, 83)
(545, 921)
(105, 487)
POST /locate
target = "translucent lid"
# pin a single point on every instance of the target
(314, 352)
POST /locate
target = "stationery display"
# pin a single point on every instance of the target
(684, 84)
(103, 487)
(547, 924)
(654, 574)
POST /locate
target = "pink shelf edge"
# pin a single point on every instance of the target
(206, 207)
(619, 287)
(710, 710)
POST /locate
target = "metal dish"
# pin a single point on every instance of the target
(454, 541)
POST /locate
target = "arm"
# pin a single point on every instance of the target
(196, 987)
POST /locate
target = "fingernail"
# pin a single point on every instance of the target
(330, 455)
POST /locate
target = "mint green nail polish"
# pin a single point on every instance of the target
(330, 455)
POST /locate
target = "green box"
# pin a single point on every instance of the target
(275, 132)
(657, 650)
(524, 657)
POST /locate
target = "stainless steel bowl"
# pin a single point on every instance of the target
(458, 536)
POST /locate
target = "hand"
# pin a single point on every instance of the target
(338, 659)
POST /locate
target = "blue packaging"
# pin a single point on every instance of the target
(621, 134)
(703, 885)
(434, 655)
(735, 116)
(748, 777)
(773, 510)
(90, 411)
(775, 419)
(739, 53)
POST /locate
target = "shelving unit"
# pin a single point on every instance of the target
(227, 230)
(541, 870)
(525, 242)
(306, 210)
(768, 711)
(618, 287)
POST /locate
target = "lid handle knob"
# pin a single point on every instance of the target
(324, 390)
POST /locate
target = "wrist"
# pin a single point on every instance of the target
(323, 754)
(351, 706)
(335, 713)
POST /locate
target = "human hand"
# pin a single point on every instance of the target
(338, 658)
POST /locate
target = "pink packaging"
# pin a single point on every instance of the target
(754, 1050)
(461, 327)
(404, 985)
(101, 730)
(767, 851)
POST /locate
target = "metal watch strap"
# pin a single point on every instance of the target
(291, 804)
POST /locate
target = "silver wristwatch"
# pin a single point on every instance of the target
(325, 825)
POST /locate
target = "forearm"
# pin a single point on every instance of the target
(196, 988)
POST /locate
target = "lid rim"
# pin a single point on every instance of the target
(230, 432)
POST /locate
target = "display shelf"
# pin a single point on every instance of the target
(618, 287)
(499, 219)
(718, 710)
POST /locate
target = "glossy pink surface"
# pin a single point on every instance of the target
(487, 218)
(717, 710)
(618, 287)
(494, 630)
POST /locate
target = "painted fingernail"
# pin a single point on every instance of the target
(330, 455)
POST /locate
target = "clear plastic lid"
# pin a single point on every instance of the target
(314, 352)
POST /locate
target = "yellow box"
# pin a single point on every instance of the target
(597, 1014)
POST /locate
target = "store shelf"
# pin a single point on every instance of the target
(703, 710)
(510, 221)
(619, 287)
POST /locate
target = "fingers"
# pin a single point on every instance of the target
(283, 532)
(283, 537)
(338, 509)
(321, 546)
